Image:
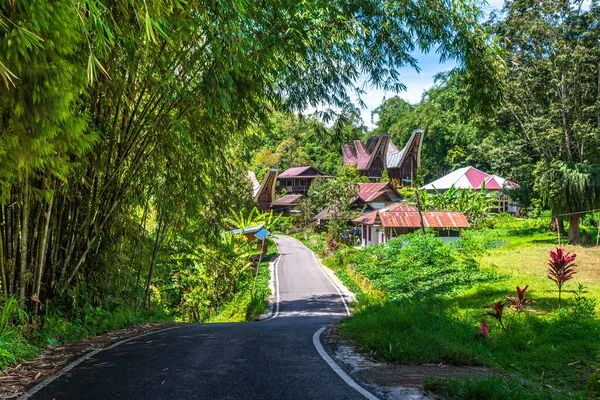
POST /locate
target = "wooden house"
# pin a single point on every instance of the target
(380, 154)
(371, 196)
(379, 226)
(297, 180)
(286, 204)
(470, 178)
(264, 194)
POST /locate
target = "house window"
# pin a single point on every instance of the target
(370, 233)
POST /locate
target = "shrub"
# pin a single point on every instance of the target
(520, 302)
(497, 310)
(583, 307)
(561, 268)
(13, 345)
(417, 265)
(484, 329)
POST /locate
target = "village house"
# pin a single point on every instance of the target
(381, 225)
(470, 178)
(379, 154)
(287, 204)
(298, 179)
(263, 194)
(371, 196)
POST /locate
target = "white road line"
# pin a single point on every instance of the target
(276, 289)
(337, 369)
(332, 282)
(328, 278)
(75, 363)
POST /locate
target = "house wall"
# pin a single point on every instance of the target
(372, 235)
(377, 234)
(295, 185)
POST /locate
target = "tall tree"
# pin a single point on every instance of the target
(114, 109)
(553, 98)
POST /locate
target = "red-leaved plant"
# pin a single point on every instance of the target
(561, 268)
(519, 302)
(496, 312)
(333, 244)
(484, 329)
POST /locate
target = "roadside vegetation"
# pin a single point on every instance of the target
(423, 301)
(127, 127)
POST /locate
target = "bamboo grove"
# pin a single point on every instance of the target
(124, 124)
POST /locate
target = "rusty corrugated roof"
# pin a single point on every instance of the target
(431, 219)
(370, 191)
(405, 217)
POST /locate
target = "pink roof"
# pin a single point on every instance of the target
(295, 172)
(349, 154)
(468, 178)
(363, 155)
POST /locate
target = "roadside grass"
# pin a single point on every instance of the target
(248, 306)
(21, 339)
(433, 296)
(492, 388)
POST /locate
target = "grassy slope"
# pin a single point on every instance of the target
(244, 306)
(544, 346)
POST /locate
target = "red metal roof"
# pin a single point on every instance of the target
(401, 206)
(370, 217)
(370, 191)
(287, 200)
(431, 219)
(297, 172)
(410, 219)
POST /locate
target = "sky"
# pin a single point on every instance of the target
(416, 83)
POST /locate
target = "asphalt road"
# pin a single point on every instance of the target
(272, 359)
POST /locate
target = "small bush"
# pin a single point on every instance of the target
(418, 265)
(583, 308)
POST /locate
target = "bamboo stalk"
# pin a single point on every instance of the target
(2, 268)
(43, 250)
(24, 235)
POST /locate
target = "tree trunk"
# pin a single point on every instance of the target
(153, 260)
(42, 252)
(24, 236)
(2, 269)
(574, 229)
(598, 105)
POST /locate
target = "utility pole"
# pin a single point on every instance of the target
(418, 205)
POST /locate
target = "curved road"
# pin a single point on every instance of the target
(272, 359)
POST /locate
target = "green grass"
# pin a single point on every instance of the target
(492, 388)
(20, 340)
(248, 306)
(434, 297)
